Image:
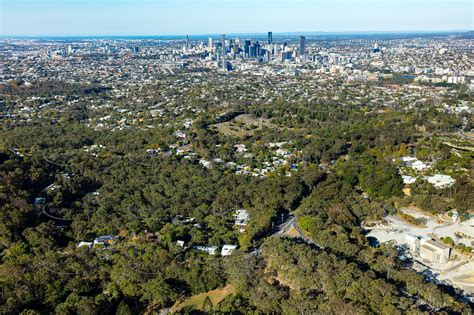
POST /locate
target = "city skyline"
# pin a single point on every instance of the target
(145, 17)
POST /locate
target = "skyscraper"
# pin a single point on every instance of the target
(286, 55)
(247, 47)
(270, 38)
(302, 46)
(210, 43)
(233, 47)
(224, 62)
(187, 43)
(253, 50)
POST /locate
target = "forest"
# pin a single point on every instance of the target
(346, 175)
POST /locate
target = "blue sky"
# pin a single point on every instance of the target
(173, 17)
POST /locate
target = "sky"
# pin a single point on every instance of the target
(176, 17)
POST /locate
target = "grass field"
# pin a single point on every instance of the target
(196, 301)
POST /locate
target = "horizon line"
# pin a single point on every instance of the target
(244, 33)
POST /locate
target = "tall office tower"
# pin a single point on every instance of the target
(302, 45)
(224, 62)
(286, 55)
(247, 44)
(210, 43)
(253, 50)
(270, 38)
(187, 43)
(232, 46)
(258, 50)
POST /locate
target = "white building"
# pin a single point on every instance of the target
(206, 164)
(428, 249)
(419, 166)
(413, 243)
(227, 250)
(414, 163)
(211, 250)
(441, 181)
(105, 240)
(434, 252)
(180, 134)
(408, 159)
(84, 244)
(240, 148)
(408, 179)
(241, 219)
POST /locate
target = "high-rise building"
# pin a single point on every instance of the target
(224, 62)
(210, 43)
(270, 38)
(233, 46)
(247, 44)
(255, 50)
(302, 50)
(187, 43)
(286, 55)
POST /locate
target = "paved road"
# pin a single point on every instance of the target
(43, 208)
(285, 226)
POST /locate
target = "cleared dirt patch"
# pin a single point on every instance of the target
(196, 301)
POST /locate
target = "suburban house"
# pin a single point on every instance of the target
(180, 134)
(105, 240)
(180, 219)
(211, 250)
(419, 166)
(240, 148)
(440, 181)
(408, 179)
(84, 244)
(408, 159)
(227, 250)
(241, 219)
(206, 164)
(414, 163)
